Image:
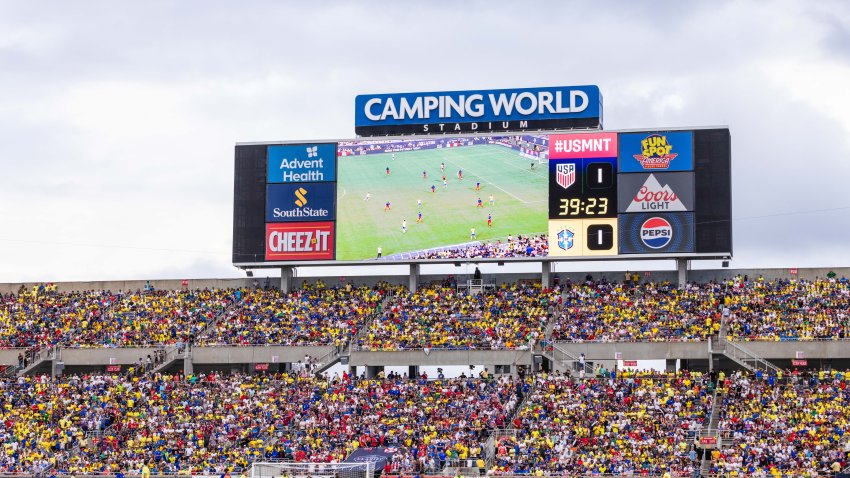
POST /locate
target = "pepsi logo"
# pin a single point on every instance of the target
(656, 232)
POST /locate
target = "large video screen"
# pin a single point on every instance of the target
(489, 197)
(442, 198)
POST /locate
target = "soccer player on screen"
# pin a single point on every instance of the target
(489, 220)
(472, 233)
(424, 174)
(492, 201)
(419, 217)
(388, 170)
(443, 167)
(393, 156)
(460, 174)
(478, 186)
(387, 206)
(418, 204)
(479, 203)
(445, 184)
(433, 188)
(368, 196)
(404, 226)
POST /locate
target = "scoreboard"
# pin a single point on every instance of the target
(634, 193)
(600, 194)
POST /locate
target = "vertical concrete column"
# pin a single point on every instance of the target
(56, 368)
(546, 276)
(414, 277)
(285, 278)
(413, 371)
(682, 269)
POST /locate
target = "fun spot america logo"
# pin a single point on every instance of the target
(655, 152)
(656, 232)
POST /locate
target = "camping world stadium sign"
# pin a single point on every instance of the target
(452, 112)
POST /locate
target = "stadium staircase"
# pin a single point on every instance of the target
(333, 357)
(11, 371)
(173, 354)
(710, 431)
(488, 451)
(738, 353)
(560, 357)
(41, 358)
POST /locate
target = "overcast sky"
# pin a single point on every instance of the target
(118, 119)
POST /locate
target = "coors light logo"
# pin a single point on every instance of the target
(655, 152)
(652, 196)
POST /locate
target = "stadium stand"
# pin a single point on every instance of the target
(771, 421)
(621, 425)
(612, 312)
(789, 310)
(593, 311)
(312, 316)
(791, 424)
(106, 319)
(441, 317)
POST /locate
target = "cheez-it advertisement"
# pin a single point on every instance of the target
(300, 241)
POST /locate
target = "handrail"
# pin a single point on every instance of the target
(588, 369)
(743, 356)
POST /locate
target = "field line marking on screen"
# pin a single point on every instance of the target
(483, 179)
(521, 168)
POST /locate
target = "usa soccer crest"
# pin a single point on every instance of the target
(565, 174)
(565, 239)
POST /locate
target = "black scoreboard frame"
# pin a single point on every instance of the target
(712, 216)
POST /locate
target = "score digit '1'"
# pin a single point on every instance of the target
(599, 175)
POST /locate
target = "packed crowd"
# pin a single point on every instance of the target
(43, 318)
(511, 317)
(601, 311)
(427, 422)
(209, 424)
(790, 310)
(795, 425)
(620, 423)
(519, 246)
(38, 319)
(626, 425)
(314, 315)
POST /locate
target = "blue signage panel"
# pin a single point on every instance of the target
(300, 202)
(489, 110)
(656, 151)
(656, 233)
(301, 163)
